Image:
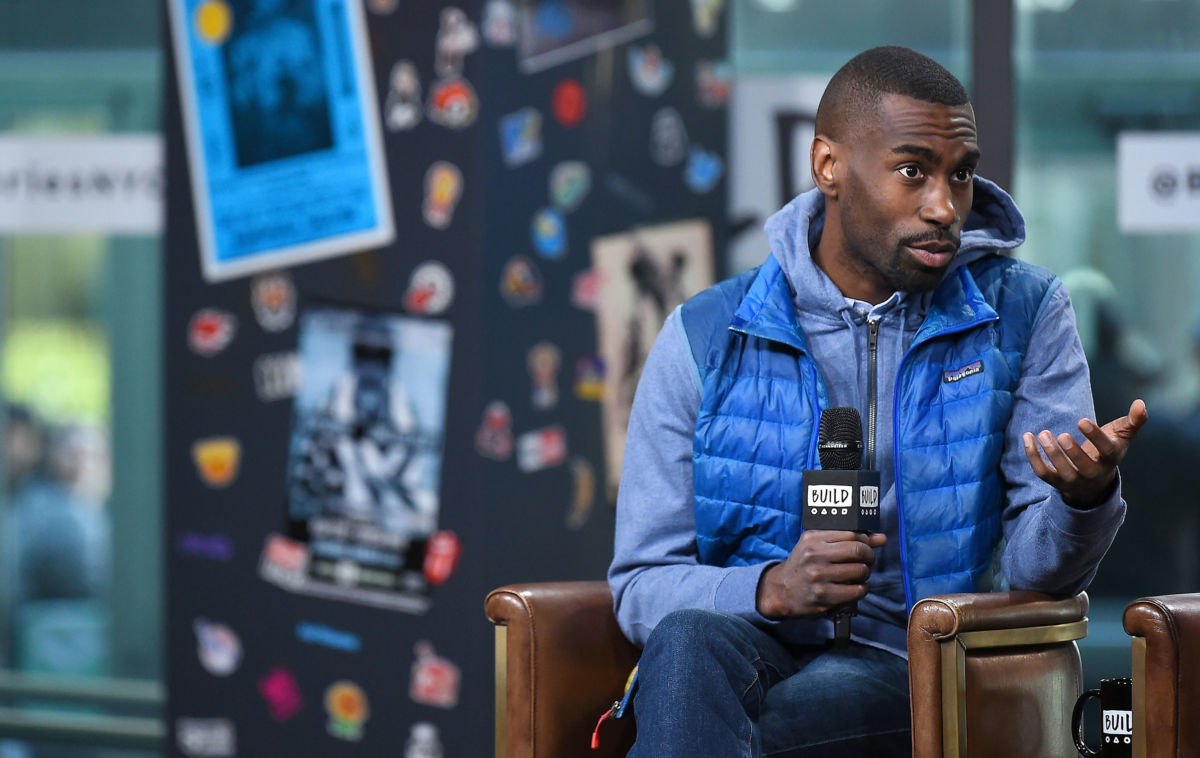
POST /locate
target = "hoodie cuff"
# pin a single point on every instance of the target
(737, 592)
(1080, 522)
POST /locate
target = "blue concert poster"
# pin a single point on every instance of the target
(365, 456)
(282, 132)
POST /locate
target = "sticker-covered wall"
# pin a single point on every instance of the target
(417, 255)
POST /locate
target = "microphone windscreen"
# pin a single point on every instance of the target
(839, 439)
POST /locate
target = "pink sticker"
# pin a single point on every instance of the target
(282, 693)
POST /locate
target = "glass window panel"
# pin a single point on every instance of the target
(789, 36)
(1087, 72)
(783, 53)
(80, 500)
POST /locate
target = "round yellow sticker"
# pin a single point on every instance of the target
(214, 20)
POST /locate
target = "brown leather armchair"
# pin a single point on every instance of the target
(1002, 667)
(561, 660)
(995, 674)
(1166, 675)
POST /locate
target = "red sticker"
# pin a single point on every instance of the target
(541, 448)
(441, 557)
(493, 438)
(569, 102)
(435, 679)
(210, 331)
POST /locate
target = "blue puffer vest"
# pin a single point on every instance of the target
(762, 395)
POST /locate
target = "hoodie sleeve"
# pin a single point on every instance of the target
(655, 568)
(1051, 546)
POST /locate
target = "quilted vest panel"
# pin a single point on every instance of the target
(762, 395)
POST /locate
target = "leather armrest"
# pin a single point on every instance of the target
(566, 661)
(946, 615)
(1170, 625)
(937, 619)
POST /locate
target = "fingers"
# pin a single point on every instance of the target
(1036, 462)
(1082, 473)
(839, 583)
(1112, 440)
(828, 596)
(825, 569)
(1107, 446)
(1053, 464)
(1081, 458)
(1066, 456)
(854, 552)
(850, 547)
(847, 573)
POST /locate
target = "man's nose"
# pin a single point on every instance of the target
(938, 207)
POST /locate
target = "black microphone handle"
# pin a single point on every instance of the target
(841, 623)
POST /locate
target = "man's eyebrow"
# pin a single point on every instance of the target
(924, 152)
(972, 156)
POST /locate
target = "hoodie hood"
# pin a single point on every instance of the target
(993, 225)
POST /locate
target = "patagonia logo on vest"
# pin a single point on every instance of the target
(975, 367)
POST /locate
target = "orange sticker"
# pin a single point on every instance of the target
(348, 710)
(217, 460)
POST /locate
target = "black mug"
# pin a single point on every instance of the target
(1116, 710)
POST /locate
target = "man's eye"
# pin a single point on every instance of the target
(964, 174)
(910, 172)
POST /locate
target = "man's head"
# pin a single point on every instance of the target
(23, 444)
(895, 154)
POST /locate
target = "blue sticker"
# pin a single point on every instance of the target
(549, 233)
(650, 72)
(703, 170)
(570, 182)
(319, 634)
(218, 647)
(521, 136)
(553, 19)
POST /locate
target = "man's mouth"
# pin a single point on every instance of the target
(934, 254)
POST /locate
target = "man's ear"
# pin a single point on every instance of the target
(823, 158)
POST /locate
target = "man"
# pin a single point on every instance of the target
(886, 290)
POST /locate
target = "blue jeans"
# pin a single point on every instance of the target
(712, 684)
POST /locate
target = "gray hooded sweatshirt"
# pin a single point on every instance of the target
(1048, 545)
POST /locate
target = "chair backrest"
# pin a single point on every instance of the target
(995, 674)
(561, 660)
(1166, 675)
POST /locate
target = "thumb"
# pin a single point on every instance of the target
(1128, 426)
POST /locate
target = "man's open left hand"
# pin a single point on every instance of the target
(1084, 474)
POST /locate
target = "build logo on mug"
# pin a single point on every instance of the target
(1116, 711)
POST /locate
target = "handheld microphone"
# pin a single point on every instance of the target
(840, 495)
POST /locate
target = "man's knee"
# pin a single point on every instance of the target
(698, 647)
(690, 631)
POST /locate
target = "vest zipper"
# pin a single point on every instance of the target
(908, 592)
(872, 381)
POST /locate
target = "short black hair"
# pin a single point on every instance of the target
(855, 90)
